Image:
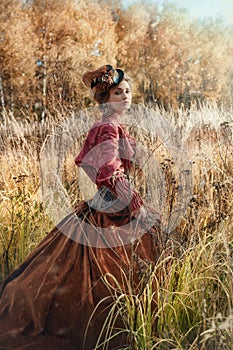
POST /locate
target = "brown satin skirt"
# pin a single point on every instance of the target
(57, 299)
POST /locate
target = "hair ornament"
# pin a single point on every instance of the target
(105, 74)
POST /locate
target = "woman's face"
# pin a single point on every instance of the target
(120, 97)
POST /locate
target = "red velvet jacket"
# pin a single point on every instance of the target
(106, 156)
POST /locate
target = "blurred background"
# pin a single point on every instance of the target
(178, 53)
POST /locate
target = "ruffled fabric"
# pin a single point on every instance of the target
(106, 158)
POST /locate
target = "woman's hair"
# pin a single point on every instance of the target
(101, 80)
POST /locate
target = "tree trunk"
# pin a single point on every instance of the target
(2, 102)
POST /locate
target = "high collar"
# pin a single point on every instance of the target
(111, 118)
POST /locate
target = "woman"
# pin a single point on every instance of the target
(61, 295)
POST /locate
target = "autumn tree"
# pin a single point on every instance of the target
(17, 60)
(68, 45)
(175, 61)
(46, 45)
(211, 55)
(134, 44)
(169, 56)
(152, 45)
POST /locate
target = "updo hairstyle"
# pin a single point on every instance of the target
(101, 81)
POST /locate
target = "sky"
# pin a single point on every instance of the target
(203, 8)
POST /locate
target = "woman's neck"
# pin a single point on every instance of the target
(113, 117)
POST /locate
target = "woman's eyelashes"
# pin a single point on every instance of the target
(121, 92)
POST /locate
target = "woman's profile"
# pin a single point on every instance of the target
(59, 297)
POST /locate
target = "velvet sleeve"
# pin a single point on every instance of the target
(111, 172)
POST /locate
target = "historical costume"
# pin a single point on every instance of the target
(61, 295)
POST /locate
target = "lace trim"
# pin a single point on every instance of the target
(103, 199)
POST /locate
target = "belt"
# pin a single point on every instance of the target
(103, 199)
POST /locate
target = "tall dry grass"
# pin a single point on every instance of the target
(23, 221)
(194, 299)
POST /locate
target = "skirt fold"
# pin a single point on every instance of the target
(59, 297)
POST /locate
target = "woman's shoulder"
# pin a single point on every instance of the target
(109, 128)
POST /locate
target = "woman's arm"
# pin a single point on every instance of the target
(111, 172)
